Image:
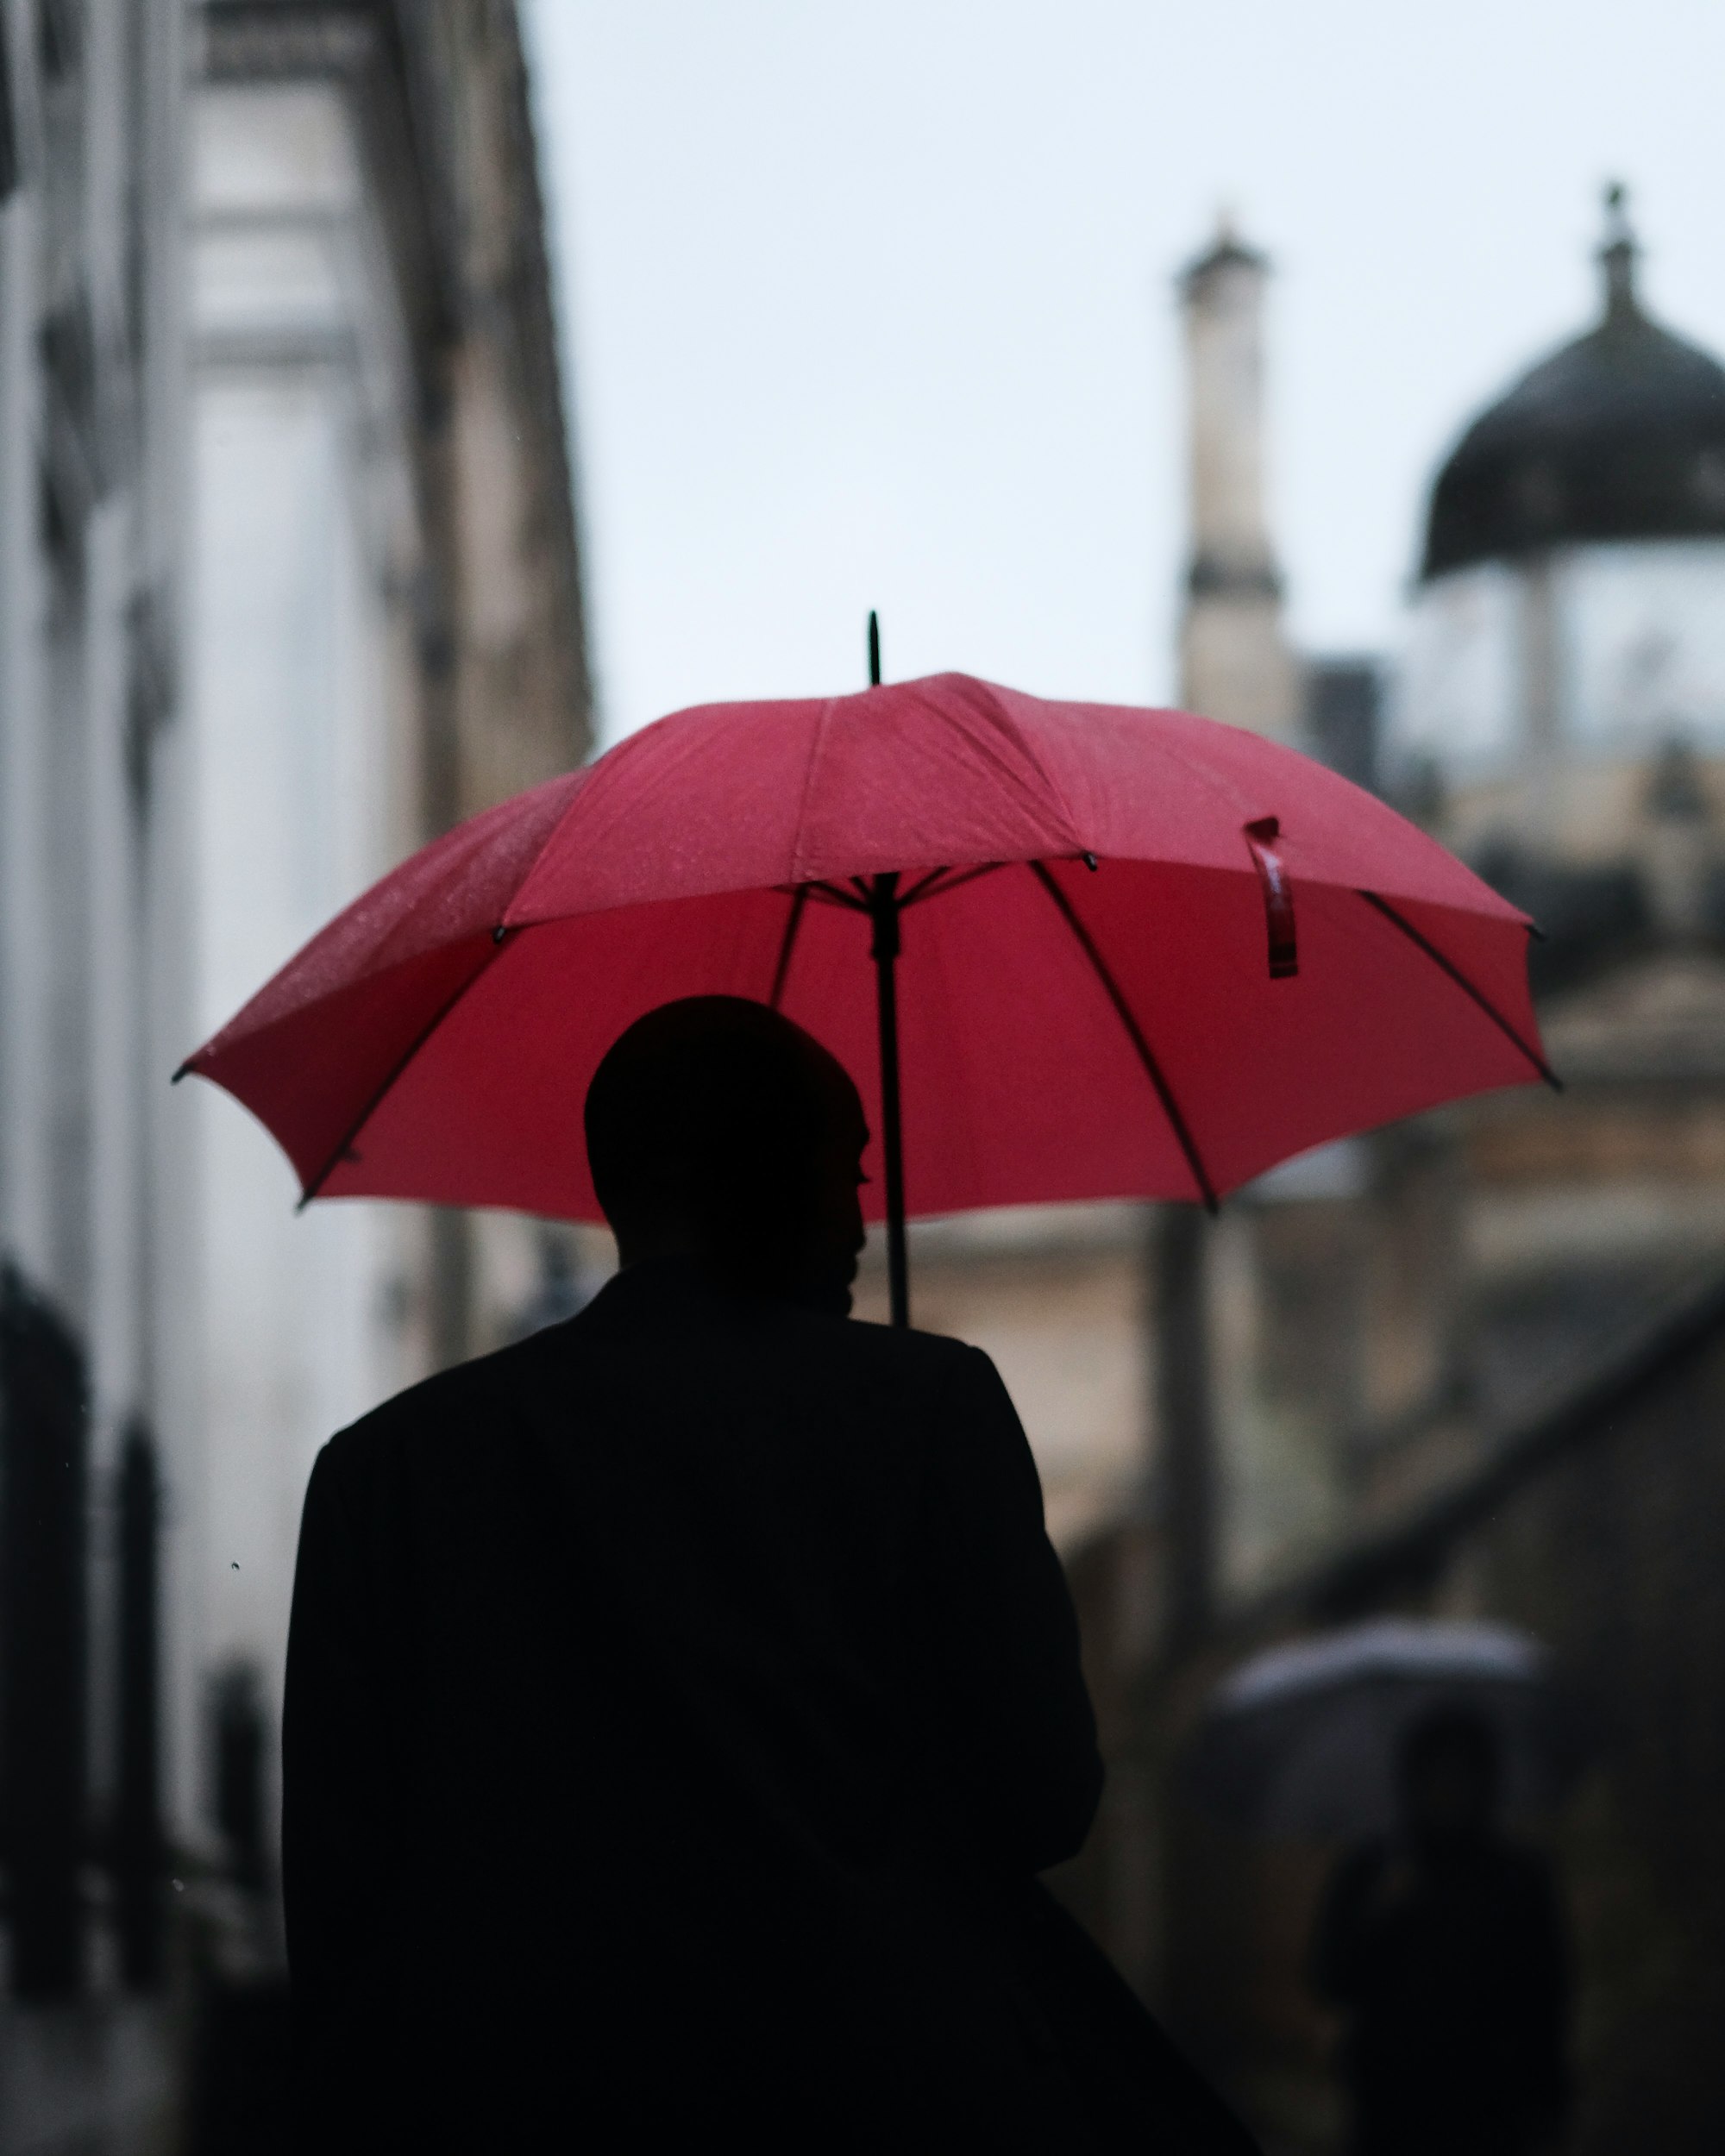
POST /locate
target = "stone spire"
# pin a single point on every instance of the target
(1617, 255)
(1235, 664)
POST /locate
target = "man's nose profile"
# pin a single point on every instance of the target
(682, 1702)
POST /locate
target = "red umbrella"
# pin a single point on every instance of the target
(1118, 953)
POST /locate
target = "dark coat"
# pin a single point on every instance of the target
(1452, 1968)
(679, 1705)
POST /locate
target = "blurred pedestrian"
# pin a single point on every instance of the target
(681, 1702)
(1445, 1948)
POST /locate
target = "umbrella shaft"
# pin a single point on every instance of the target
(884, 907)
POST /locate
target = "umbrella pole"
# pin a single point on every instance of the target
(883, 908)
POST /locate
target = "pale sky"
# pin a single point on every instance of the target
(873, 305)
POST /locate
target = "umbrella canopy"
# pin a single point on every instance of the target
(1302, 1740)
(1120, 953)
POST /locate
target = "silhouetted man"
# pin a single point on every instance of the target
(1446, 1949)
(680, 1701)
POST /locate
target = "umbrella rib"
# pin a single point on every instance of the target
(316, 1183)
(828, 895)
(1448, 966)
(931, 888)
(793, 921)
(1165, 1093)
(920, 888)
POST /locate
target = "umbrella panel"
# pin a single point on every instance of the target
(1322, 1766)
(1369, 1029)
(1463, 1648)
(1020, 1082)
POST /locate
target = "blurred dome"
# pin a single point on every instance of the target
(1619, 436)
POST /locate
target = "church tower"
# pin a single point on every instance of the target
(1234, 661)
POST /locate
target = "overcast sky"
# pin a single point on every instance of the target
(871, 305)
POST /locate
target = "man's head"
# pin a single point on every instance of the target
(715, 1129)
(1449, 1770)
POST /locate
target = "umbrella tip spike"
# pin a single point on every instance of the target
(874, 649)
(184, 1071)
(1090, 862)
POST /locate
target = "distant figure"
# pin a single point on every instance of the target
(680, 1701)
(1445, 1949)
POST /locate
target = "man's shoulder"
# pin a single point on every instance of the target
(456, 1403)
(469, 1406)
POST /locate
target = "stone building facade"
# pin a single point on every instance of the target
(288, 582)
(92, 497)
(384, 635)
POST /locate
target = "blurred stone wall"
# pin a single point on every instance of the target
(1597, 1526)
(289, 581)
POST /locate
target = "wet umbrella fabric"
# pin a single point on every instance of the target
(1301, 1741)
(1127, 954)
